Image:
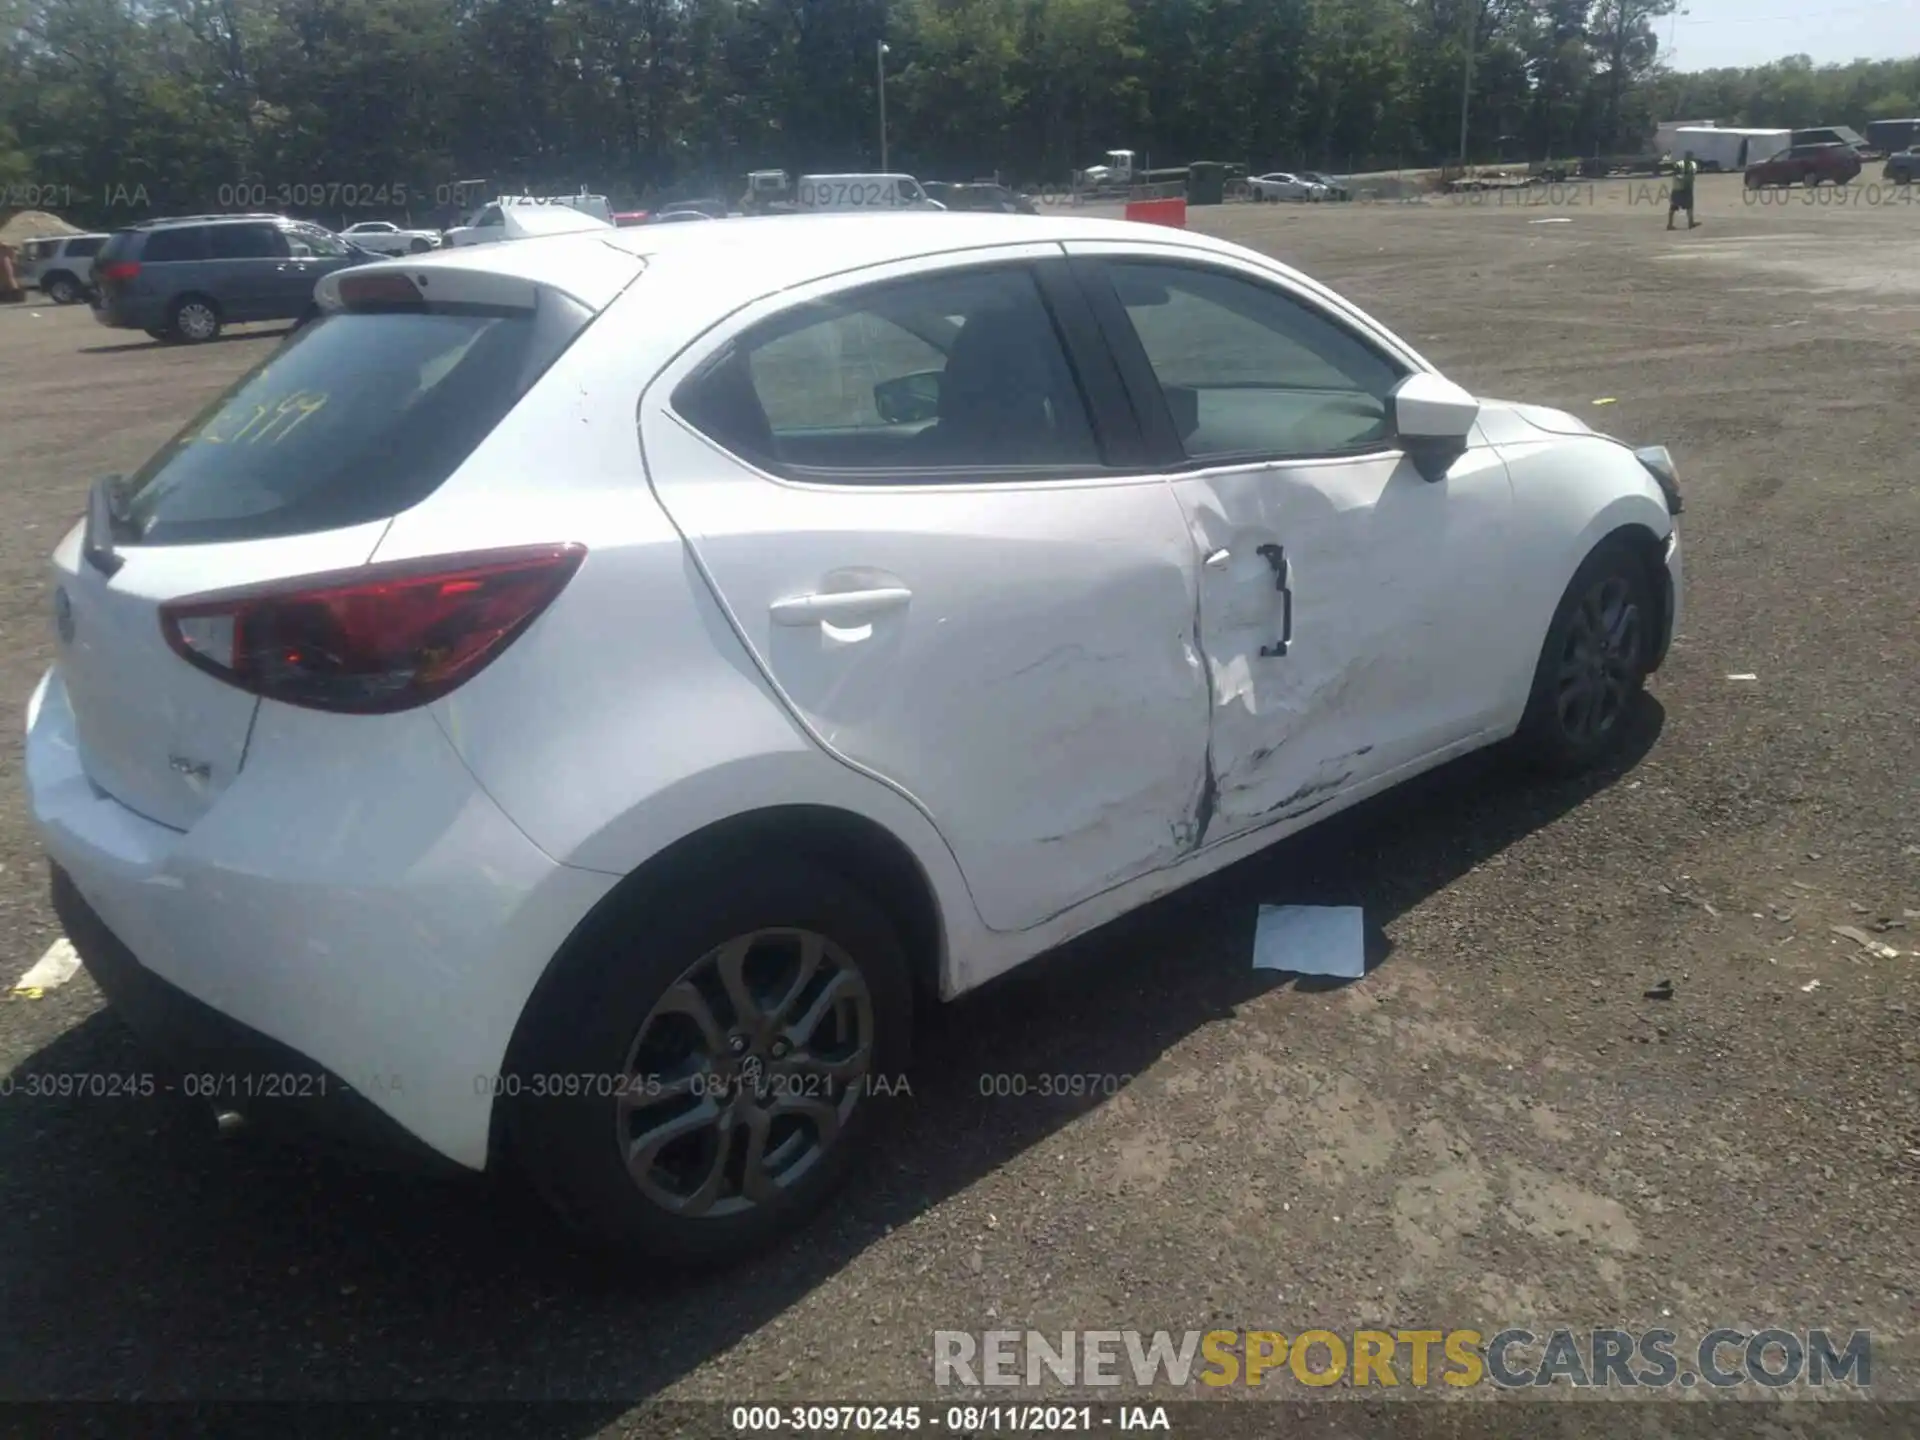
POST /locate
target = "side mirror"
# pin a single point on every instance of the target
(1431, 417)
(908, 399)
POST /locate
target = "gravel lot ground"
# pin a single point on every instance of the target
(1493, 1128)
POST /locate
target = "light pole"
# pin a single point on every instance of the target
(1466, 86)
(880, 74)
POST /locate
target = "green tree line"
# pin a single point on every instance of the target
(121, 107)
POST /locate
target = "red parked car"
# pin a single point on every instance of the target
(1807, 165)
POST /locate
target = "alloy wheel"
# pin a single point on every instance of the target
(197, 321)
(1599, 663)
(745, 1073)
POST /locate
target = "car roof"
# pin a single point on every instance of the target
(201, 220)
(735, 262)
(788, 250)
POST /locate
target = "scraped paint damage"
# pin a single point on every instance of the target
(1209, 801)
(1291, 807)
(1140, 817)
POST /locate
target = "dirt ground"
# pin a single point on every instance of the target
(1495, 1127)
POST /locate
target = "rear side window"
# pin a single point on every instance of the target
(245, 242)
(958, 372)
(356, 418)
(81, 249)
(185, 242)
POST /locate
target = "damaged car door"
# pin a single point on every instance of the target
(914, 519)
(1346, 593)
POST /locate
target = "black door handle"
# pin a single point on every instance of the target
(1276, 556)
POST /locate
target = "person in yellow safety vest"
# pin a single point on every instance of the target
(1683, 177)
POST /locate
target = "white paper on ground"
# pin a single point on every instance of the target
(1311, 940)
(52, 969)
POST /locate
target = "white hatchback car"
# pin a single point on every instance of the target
(574, 698)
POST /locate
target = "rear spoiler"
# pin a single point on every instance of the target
(509, 275)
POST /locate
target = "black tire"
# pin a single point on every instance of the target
(589, 1015)
(194, 320)
(1612, 594)
(419, 247)
(62, 289)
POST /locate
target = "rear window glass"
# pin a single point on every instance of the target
(120, 244)
(355, 418)
(187, 242)
(89, 246)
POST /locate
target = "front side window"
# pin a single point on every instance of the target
(245, 242)
(1250, 371)
(961, 371)
(311, 240)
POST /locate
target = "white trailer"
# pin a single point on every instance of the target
(1717, 147)
(1664, 132)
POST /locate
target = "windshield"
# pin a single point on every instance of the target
(356, 418)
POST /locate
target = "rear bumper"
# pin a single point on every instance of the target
(274, 1089)
(118, 315)
(352, 905)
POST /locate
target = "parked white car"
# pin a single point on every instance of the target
(521, 217)
(390, 239)
(1282, 186)
(500, 786)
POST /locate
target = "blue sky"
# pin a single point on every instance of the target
(1750, 32)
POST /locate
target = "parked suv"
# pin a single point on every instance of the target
(1807, 165)
(1903, 166)
(186, 279)
(60, 266)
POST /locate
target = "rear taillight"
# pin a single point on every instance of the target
(120, 270)
(373, 640)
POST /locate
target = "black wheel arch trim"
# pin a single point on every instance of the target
(857, 849)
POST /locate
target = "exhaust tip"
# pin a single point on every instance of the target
(229, 1122)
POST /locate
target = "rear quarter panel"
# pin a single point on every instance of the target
(629, 716)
